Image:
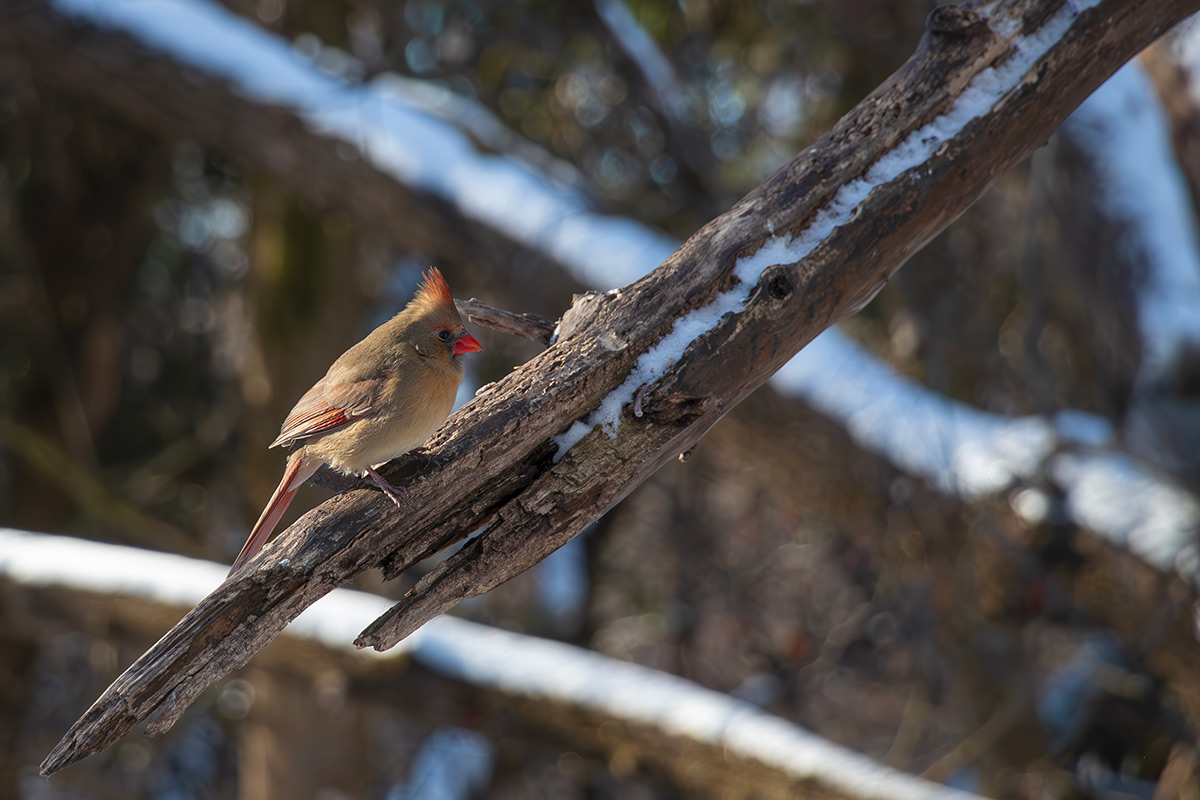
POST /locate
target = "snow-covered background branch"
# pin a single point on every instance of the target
(538, 670)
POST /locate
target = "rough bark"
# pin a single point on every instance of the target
(493, 466)
(527, 326)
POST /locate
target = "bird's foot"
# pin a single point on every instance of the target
(394, 492)
(421, 453)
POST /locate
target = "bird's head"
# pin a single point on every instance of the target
(439, 329)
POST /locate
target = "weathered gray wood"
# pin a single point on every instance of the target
(527, 326)
(493, 463)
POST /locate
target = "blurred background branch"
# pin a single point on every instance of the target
(547, 691)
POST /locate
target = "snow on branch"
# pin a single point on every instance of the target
(799, 252)
(1123, 131)
(381, 120)
(523, 666)
(1112, 494)
(963, 451)
(971, 453)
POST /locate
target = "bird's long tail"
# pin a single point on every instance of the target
(297, 472)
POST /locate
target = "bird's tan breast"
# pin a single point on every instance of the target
(410, 413)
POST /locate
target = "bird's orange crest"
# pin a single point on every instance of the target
(434, 291)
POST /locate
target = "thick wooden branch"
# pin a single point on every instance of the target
(988, 84)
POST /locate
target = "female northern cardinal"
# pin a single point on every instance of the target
(381, 398)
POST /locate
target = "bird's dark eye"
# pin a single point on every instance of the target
(444, 335)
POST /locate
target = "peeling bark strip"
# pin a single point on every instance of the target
(691, 340)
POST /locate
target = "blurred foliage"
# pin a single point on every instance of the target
(757, 80)
(161, 309)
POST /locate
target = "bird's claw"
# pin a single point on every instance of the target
(394, 493)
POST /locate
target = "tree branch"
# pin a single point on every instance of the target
(699, 737)
(531, 458)
(527, 326)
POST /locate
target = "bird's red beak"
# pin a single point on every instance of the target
(467, 344)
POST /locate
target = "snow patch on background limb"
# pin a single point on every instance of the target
(545, 669)
(391, 131)
(1110, 493)
(486, 657)
(962, 450)
(1122, 129)
(467, 114)
(37, 559)
(970, 453)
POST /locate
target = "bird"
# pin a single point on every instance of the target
(381, 398)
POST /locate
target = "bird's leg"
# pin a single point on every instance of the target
(394, 492)
(421, 454)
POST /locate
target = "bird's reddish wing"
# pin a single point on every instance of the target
(326, 407)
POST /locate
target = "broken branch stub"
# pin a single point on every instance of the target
(527, 326)
(538, 455)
